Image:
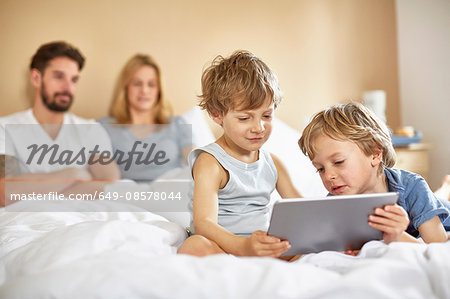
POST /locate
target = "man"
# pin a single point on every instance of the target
(30, 140)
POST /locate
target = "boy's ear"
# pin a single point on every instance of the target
(217, 118)
(35, 77)
(377, 157)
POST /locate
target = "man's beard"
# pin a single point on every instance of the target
(54, 106)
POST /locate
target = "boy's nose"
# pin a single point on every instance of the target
(330, 175)
(258, 126)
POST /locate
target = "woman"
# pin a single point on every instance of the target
(141, 125)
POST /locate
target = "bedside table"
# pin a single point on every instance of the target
(414, 158)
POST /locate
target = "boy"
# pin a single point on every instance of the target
(233, 178)
(353, 153)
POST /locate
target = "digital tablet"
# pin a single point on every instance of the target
(328, 223)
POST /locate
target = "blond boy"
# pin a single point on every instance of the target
(353, 153)
(233, 177)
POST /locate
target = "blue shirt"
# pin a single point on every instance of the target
(416, 198)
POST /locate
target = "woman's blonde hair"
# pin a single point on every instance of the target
(350, 122)
(241, 81)
(119, 107)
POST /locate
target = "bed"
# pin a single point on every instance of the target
(98, 250)
(132, 255)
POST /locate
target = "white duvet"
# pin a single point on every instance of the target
(132, 255)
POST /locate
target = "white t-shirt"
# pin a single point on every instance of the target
(22, 137)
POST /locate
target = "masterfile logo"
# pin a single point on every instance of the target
(145, 154)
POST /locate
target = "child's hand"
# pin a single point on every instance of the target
(392, 220)
(261, 244)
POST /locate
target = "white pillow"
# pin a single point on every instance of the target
(283, 143)
(201, 132)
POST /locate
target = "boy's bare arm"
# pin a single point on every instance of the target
(433, 231)
(209, 177)
(284, 186)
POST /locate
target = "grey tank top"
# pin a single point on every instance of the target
(244, 201)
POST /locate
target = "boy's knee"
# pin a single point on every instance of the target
(197, 245)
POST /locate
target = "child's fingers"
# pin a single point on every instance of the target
(381, 227)
(397, 223)
(278, 250)
(396, 209)
(390, 220)
(387, 213)
(388, 226)
(393, 232)
(397, 218)
(263, 237)
(277, 246)
(268, 240)
(273, 250)
(394, 212)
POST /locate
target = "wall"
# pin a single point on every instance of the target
(323, 51)
(424, 66)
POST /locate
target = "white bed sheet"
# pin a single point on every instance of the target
(132, 255)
